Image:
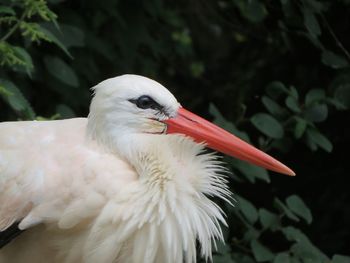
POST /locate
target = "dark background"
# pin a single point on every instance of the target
(228, 61)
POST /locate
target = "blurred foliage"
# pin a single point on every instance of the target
(279, 70)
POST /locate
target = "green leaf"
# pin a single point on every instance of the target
(292, 104)
(14, 97)
(294, 92)
(342, 94)
(268, 125)
(252, 10)
(314, 95)
(72, 36)
(288, 8)
(282, 258)
(311, 23)
(224, 255)
(67, 35)
(319, 139)
(225, 124)
(24, 56)
(197, 69)
(268, 219)
(316, 113)
(310, 143)
(295, 260)
(4, 92)
(252, 171)
(237, 165)
(280, 206)
(55, 40)
(250, 234)
(248, 209)
(300, 127)
(336, 103)
(333, 60)
(294, 234)
(340, 259)
(7, 10)
(11, 56)
(272, 106)
(305, 253)
(182, 37)
(297, 205)
(260, 252)
(275, 89)
(314, 5)
(61, 71)
(303, 247)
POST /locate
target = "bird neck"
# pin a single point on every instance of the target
(171, 209)
(156, 158)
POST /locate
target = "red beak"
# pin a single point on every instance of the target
(220, 140)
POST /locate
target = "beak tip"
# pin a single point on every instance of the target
(279, 167)
(289, 172)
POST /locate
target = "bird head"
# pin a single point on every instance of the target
(131, 105)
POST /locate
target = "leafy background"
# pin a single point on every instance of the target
(276, 70)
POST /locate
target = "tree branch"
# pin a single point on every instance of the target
(14, 28)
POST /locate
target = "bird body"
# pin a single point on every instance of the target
(93, 202)
(114, 187)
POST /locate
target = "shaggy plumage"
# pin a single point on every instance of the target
(111, 188)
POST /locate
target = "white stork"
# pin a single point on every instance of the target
(124, 185)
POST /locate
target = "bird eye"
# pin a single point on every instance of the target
(145, 102)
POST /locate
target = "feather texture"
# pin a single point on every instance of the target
(105, 189)
(96, 207)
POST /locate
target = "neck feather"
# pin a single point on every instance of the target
(170, 205)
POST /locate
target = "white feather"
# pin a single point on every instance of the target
(104, 189)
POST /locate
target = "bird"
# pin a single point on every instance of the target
(132, 182)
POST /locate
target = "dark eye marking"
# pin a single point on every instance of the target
(146, 102)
